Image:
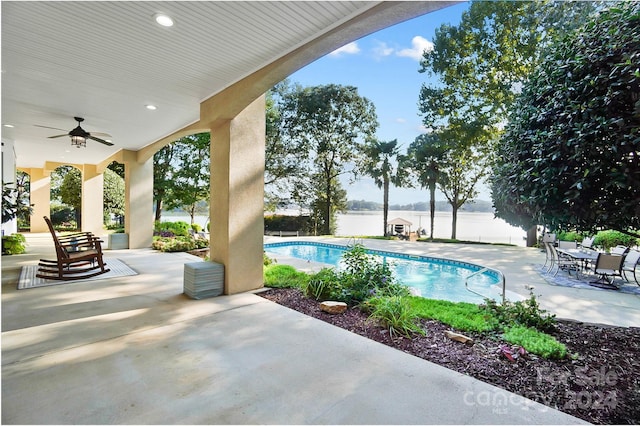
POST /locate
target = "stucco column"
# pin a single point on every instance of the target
(40, 198)
(92, 200)
(237, 197)
(138, 216)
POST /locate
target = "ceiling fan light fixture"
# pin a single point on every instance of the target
(79, 141)
(163, 19)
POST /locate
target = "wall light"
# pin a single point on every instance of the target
(151, 107)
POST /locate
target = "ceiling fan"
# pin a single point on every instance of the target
(79, 136)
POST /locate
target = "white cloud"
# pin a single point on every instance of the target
(401, 120)
(382, 49)
(419, 45)
(348, 49)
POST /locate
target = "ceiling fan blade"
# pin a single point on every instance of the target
(104, 135)
(58, 136)
(99, 140)
(47, 127)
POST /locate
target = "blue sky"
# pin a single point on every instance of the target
(384, 67)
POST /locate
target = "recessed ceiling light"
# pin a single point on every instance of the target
(163, 20)
(151, 107)
(9, 126)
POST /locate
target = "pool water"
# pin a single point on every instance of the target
(434, 278)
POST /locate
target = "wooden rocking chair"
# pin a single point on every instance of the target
(79, 256)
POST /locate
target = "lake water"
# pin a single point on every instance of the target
(472, 226)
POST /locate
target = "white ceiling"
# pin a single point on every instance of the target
(104, 61)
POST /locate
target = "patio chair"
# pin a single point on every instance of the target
(562, 262)
(548, 238)
(608, 266)
(549, 260)
(567, 245)
(587, 243)
(630, 265)
(79, 256)
(619, 250)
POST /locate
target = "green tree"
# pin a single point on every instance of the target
(163, 175)
(481, 64)
(380, 161)
(460, 174)
(330, 122)
(570, 155)
(71, 193)
(190, 173)
(283, 168)
(425, 159)
(113, 195)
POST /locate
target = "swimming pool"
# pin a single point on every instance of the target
(434, 278)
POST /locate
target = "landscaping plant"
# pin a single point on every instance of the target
(526, 313)
(13, 244)
(284, 276)
(535, 342)
(395, 313)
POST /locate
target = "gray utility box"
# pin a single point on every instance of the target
(203, 279)
(117, 241)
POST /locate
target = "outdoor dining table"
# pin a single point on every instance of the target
(585, 256)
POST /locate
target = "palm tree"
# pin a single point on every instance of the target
(424, 157)
(380, 163)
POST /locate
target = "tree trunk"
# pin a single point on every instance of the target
(192, 213)
(327, 224)
(158, 210)
(385, 206)
(432, 208)
(532, 236)
(454, 221)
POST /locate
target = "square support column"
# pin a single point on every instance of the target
(237, 198)
(40, 198)
(138, 216)
(92, 200)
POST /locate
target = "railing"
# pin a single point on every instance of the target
(283, 233)
(504, 284)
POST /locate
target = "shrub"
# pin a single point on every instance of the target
(323, 285)
(179, 228)
(569, 236)
(196, 227)
(173, 244)
(535, 342)
(526, 313)
(607, 239)
(61, 214)
(284, 276)
(396, 314)
(266, 260)
(201, 242)
(287, 223)
(13, 244)
(365, 277)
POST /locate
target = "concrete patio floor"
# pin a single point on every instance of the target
(137, 350)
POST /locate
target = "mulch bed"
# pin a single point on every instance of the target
(600, 383)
